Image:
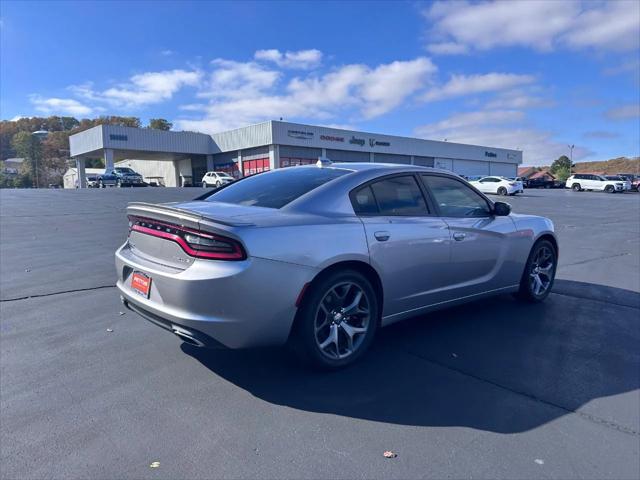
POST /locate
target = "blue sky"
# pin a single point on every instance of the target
(534, 75)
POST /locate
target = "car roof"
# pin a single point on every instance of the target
(330, 196)
(382, 167)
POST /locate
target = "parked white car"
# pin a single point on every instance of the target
(588, 181)
(498, 185)
(619, 178)
(216, 179)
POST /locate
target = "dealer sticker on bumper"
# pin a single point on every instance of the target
(141, 284)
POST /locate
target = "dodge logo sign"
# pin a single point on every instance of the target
(331, 138)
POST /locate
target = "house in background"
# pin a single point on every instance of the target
(545, 175)
(526, 172)
(11, 166)
(70, 177)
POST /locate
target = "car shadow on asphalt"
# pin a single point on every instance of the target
(495, 365)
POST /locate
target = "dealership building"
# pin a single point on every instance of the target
(182, 158)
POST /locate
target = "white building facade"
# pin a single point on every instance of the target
(182, 158)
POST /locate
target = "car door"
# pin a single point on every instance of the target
(489, 185)
(408, 244)
(481, 242)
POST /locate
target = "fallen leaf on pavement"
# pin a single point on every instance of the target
(390, 454)
(109, 330)
(154, 464)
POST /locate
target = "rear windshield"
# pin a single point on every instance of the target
(276, 189)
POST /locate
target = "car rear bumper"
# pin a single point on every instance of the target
(238, 304)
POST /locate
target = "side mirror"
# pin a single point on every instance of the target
(501, 209)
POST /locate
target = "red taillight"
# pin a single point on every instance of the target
(195, 243)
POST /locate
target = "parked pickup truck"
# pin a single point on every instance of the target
(121, 177)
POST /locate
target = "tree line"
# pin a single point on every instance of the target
(46, 158)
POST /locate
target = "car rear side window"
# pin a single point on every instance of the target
(277, 188)
(455, 199)
(364, 203)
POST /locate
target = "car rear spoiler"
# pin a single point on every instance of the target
(183, 217)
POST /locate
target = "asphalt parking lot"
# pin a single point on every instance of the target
(495, 389)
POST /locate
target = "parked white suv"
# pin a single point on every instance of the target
(619, 178)
(216, 179)
(498, 185)
(588, 181)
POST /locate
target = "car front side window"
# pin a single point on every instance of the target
(455, 199)
(391, 196)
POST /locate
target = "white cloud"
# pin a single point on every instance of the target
(142, 89)
(500, 128)
(601, 134)
(519, 99)
(242, 93)
(615, 25)
(302, 59)
(231, 79)
(447, 48)
(387, 86)
(59, 106)
(457, 27)
(166, 53)
(460, 85)
(624, 112)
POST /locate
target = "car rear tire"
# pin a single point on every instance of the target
(100, 184)
(539, 273)
(118, 183)
(337, 320)
(502, 191)
(204, 184)
(576, 187)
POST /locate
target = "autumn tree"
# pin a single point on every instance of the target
(561, 162)
(27, 146)
(160, 124)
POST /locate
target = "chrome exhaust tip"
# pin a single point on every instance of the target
(187, 336)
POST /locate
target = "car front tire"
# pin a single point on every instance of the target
(539, 273)
(502, 191)
(337, 320)
(610, 189)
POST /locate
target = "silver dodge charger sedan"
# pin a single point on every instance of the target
(320, 257)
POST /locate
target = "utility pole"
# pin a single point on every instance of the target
(571, 147)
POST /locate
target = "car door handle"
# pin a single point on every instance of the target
(459, 236)
(382, 236)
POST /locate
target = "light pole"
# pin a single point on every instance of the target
(570, 158)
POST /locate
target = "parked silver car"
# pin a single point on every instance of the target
(323, 256)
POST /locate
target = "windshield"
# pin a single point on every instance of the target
(277, 188)
(124, 170)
